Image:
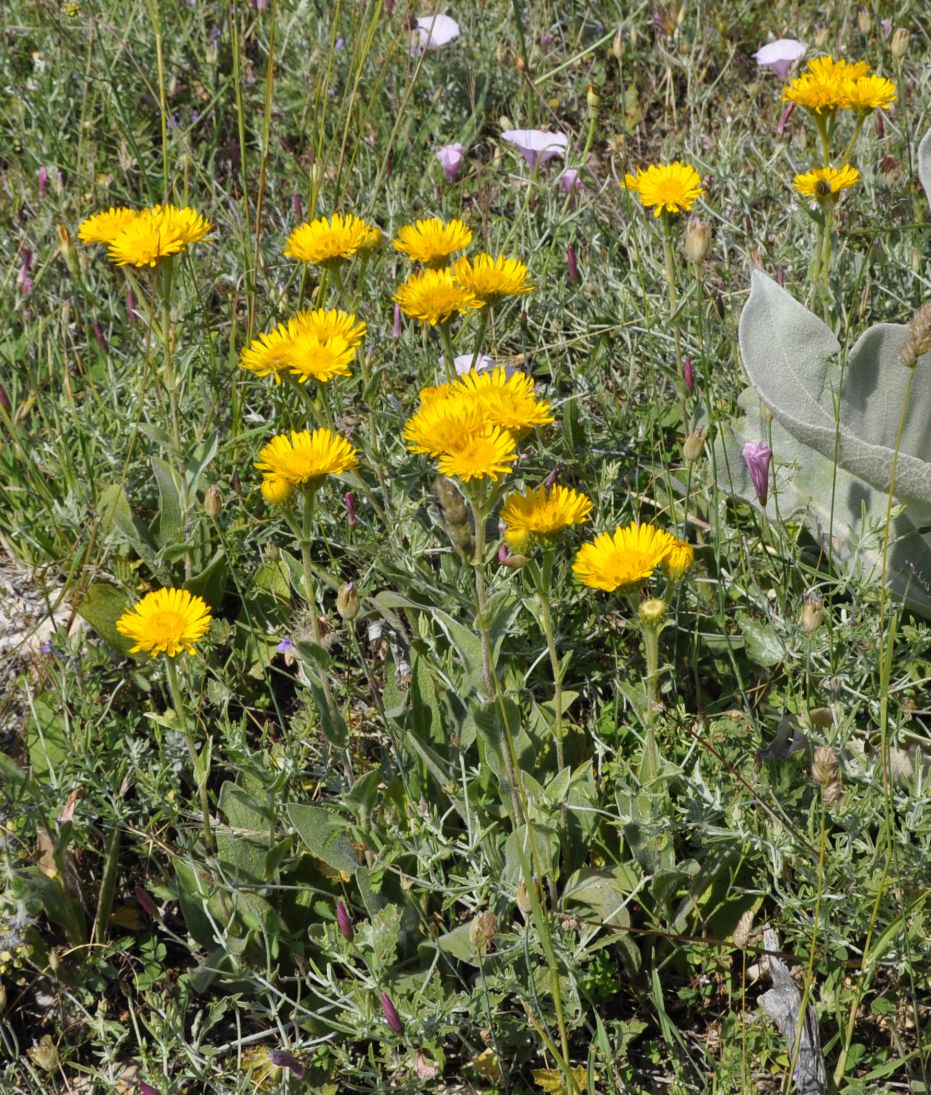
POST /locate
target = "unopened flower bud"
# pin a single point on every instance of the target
(146, 903)
(350, 502)
(482, 930)
(592, 98)
(213, 503)
(276, 490)
(825, 771)
(821, 36)
(347, 601)
(390, 1013)
(758, 457)
(678, 561)
(396, 324)
(344, 922)
(688, 374)
(865, 22)
(899, 45)
(68, 252)
(812, 613)
(514, 562)
(617, 46)
(572, 263)
(652, 612)
(697, 240)
(693, 446)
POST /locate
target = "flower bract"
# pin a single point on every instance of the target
(432, 241)
(670, 188)
(329, 241)
(166, 621)
(435, 296)
(304, 459)
(542, 513)
(622, 560)
(489, 279)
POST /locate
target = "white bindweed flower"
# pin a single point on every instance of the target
(780, 56)
(537, 145)
(433, 32)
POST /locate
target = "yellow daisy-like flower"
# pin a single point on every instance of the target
(434, 296)
(304, 459)
(442, 423)
(319, 345)
(677, 562)
(506, 401)
(271, 353)
(330, 241)
(826, 182)
(313, 359)
(825, 84)
(484, 454)
(105, 227)
(869, 93)
(670, 188)
(542, 513)
(167, 621)
(155, 233)
(330, 323)
(275, 490)
(431, 241)
(622, 560)
(490, 278)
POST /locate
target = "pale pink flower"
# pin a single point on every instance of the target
(43, 181)
(537, 145)
(463, 363)
(450, 157)
(570, 182)
(433, 32)
(758, 456)
(780, 56)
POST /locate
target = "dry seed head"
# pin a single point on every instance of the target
(347, 601)
(697, 240)
(899, 45)
(812, 613)
(212, 502)
(694, 445)
(825, 771)
(865, 21)
(919, 337)
(482, 930)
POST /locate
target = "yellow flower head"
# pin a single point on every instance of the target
(484, 454)
(270, 354)
(825, 183)
(275, 490)
(156, 233)
(490, 278)
(304, 459)
(313, 359)
(869, 93)
(623, 560)
(442, 423)
(542, 513)
(434, 296)
(105, 227)
(167, 621)
(312, 345)
(677, 562)
(331, 323)
(506, 401)
(825, 84)
(330, 241)
(670, 188)
(431, 241)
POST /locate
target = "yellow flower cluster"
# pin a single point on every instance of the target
(329, 241)
(437, 293)
(144, 237)
(827, 85)
(625, 559)
(472, 426)
(314, 345)
(303, 460)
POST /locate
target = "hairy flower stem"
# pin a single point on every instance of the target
(170, 380)
(199, 761)
(449, 354)
(488, 658)
(480, 335)
(543, 579)
(670, 263)
(651, 650)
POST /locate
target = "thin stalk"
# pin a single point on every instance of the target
(670, 265)
(263, 160)
(449, 354)
(236, 48)
(111, 871)
(170, 379)
(480, 334)
(201, 774)
(155, 20)
(543, 576)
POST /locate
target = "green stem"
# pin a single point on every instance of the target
(857, 130)
(155, 20)
(449, 354)
(165, 283)
(201, 774)
(670, 264)
(651, 650)
(263, 160)
(480, 335)
(543, 576)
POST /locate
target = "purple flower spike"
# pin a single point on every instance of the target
(536, 145)
(450, 157)
(688, 374)
(433, 32)
(758, 457)
(344, 922)
(43, 181)
(391, 1014)
(779, 56)
(283, 1059)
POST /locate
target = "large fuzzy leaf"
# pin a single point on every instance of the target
(924, 164)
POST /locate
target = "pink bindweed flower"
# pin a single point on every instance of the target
(450, 157)
(537, 145)
(758, 456)
(503, 553)
(131, 306)
(688, 374)
(464, 363)
(283, 1059)
(391, 1014)
(350, 502)
(396, 325)
(572, 264)
(779, 56)
(146, 903)
(433, 32)
(42, 180)
(22, 276)
(344, 921)
(886, 27)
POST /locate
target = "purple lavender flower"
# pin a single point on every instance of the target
(758, 457)
(391, 1014)
(779, 56)
(450, 157)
